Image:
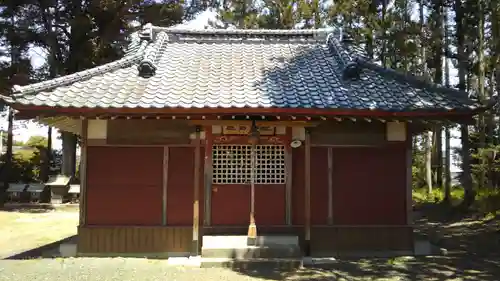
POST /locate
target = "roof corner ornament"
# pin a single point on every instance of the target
(351, 68)
(16, 89)
(146, 32)
(146, 69)
(352, 71)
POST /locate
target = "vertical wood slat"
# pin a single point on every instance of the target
(196, 193)
(207, 217)
(345, 239)
(330, 185)
(83, 174)
(288, 180)
(165, 184)
(307, 193)
(132, 239)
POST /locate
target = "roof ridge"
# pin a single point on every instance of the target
(80, 75)
(414, 80)
(352, 68)
(320, 33)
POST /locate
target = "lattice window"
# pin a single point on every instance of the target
(232, 164)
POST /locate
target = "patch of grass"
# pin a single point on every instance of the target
(21, 231)
(421, 195)
(488, 202)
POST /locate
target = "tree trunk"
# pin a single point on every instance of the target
(469, 193)
(438, 78)
(69, 153)
(428, 158)
(7, 168)
(447, 151)
(447, 171)
(48, 156)
(482, 97)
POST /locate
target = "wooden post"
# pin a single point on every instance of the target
(83, 174)
(288, 180)
(208, 176)
(330, 185)
(409, 177)
(252, 228)
(307, 195)
(196, 200)
(165, 184)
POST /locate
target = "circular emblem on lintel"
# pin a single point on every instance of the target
(295, 143)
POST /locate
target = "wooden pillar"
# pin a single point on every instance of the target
(164, 184)
(252, 228)
(288, 180)
(307, 194)
(208, 177)
(330, 185)
(196, 199)
(409, 177)
(83, 174)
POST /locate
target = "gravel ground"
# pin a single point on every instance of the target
(100, 269)
(119, 269)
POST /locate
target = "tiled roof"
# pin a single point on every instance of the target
(172, 68)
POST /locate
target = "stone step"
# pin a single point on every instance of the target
(241, 241)
(275, 251)
(253, 264)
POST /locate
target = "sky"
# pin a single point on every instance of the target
(201, 21)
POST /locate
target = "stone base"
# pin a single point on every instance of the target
(250, 264)
(278, 252)
(67, 250)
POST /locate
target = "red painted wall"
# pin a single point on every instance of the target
(298, 181)
(270, 204)
(369, 185)
(180, 186)
(124, 185)
(319, 185)
(230, 204)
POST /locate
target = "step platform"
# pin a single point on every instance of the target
(280, 251)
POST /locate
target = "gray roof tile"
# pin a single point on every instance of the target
(240, 68)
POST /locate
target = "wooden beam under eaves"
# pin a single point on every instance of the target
(258, 123)
(63, 123)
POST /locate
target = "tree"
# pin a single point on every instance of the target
(37, 141)
(18, 71)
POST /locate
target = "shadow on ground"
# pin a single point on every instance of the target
(457, 231)
(426, 268)
(472, 244)
(36, 208)
(45, 251)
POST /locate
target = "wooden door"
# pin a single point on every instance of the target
(231, 189)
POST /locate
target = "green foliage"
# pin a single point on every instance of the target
(421, 195)
(24, 166)
(37, 141)
(488, 201)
